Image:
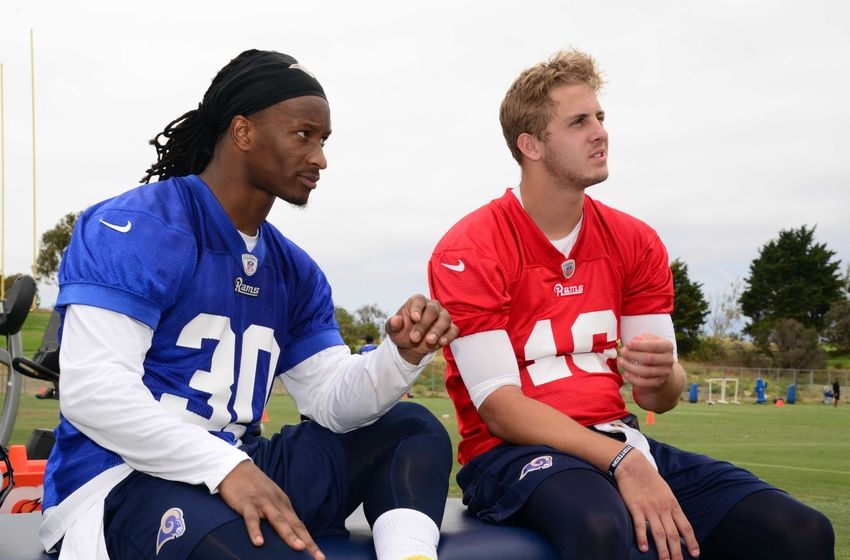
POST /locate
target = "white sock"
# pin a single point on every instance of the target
(404, 533)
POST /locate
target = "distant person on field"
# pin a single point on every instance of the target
(836, 392)
(369, 346)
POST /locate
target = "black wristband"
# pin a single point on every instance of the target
(620, 456)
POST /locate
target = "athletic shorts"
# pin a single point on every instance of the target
(149, 517)
(497, 483)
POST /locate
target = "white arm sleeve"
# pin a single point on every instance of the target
(660, 324)
(103, 396)
(486, 361)
(343, 391)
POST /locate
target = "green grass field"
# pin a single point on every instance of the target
(33, 330)
(802, 448)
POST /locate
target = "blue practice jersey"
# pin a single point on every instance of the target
(225, 321)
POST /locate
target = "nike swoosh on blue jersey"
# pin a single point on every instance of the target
(121, 229)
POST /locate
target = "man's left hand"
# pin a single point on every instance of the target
(420, 327)
(647, 362)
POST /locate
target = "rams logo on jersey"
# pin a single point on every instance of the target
(241, 287)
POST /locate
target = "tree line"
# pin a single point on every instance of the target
(796, 302)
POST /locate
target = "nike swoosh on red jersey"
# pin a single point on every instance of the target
(459, 267)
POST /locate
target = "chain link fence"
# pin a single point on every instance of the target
(811, 385)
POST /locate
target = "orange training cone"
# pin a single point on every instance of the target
(650, 418)
(265, 416)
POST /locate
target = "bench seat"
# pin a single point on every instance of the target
(463, 537)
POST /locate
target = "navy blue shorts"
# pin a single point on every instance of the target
(180, 515)
(496, 484)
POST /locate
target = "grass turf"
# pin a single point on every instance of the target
(801, 448)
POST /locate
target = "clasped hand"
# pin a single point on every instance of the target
(646, 361)
(420, 327)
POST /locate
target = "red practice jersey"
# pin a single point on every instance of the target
(496, 270)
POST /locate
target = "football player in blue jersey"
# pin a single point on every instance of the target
(180, 305)
(369, 346)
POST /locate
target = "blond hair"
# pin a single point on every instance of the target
(527, 106)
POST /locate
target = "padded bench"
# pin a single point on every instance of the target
(463, 537)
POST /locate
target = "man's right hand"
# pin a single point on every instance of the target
(650, 502)
(654, 508)
(255, 496)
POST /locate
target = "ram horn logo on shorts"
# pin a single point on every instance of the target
(542, 462)
(171, 526)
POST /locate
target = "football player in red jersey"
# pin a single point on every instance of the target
(543, 283)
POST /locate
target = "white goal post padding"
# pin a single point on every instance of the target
(724, 388)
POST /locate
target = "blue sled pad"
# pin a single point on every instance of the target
(463, 537)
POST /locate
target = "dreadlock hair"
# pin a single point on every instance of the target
(189, 139)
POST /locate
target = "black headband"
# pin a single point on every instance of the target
(261, 79)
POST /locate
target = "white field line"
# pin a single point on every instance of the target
(772, 466)
(773, 444)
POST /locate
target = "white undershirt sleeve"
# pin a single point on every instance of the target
(103, 396)
(659, 324)
(343, 391)
(486, 361)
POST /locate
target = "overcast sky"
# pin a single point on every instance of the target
(728, 120)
